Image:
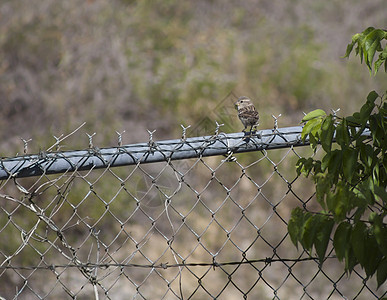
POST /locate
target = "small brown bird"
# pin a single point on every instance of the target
(247, 113)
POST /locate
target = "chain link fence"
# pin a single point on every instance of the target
(193, 218)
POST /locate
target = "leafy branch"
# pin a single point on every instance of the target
(368, 43)
(350, 179)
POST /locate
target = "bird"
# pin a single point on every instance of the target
(247, 112)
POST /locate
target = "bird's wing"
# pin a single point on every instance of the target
(249, 112)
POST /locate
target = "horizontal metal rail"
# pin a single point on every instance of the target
(152, 151)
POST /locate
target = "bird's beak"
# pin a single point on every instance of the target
(236, 104)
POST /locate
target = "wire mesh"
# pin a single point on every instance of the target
(196, 218)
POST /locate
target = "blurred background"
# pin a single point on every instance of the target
(136, 65)
(130, 66)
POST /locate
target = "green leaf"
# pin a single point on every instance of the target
(375, 175)
(325, 161)
(341, 240)
(373, 257)
(349, 49)
(367, 189)
(316, 129)
(381, 275)
(354, 120)
(371, 44)
(377, 131)
(327, 132)
(330, 201)
(318, 113)
(361, 47)
(359, 211)
(335, 163)
(349, 163)
(355, 39)
(323, 185)
(366, 156)
(343, 249)
(372, 96)
(350, 261)
(317, 167)
(358, 241)
(310, 228)
(361, 42)
(368, 30)
(380, 232)
(313, 140)
(382, 59)
(341, 202)
(296, 225)
(381, 192)
(342, 134)
(305, 166)
(311, 126)
(322, 236)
